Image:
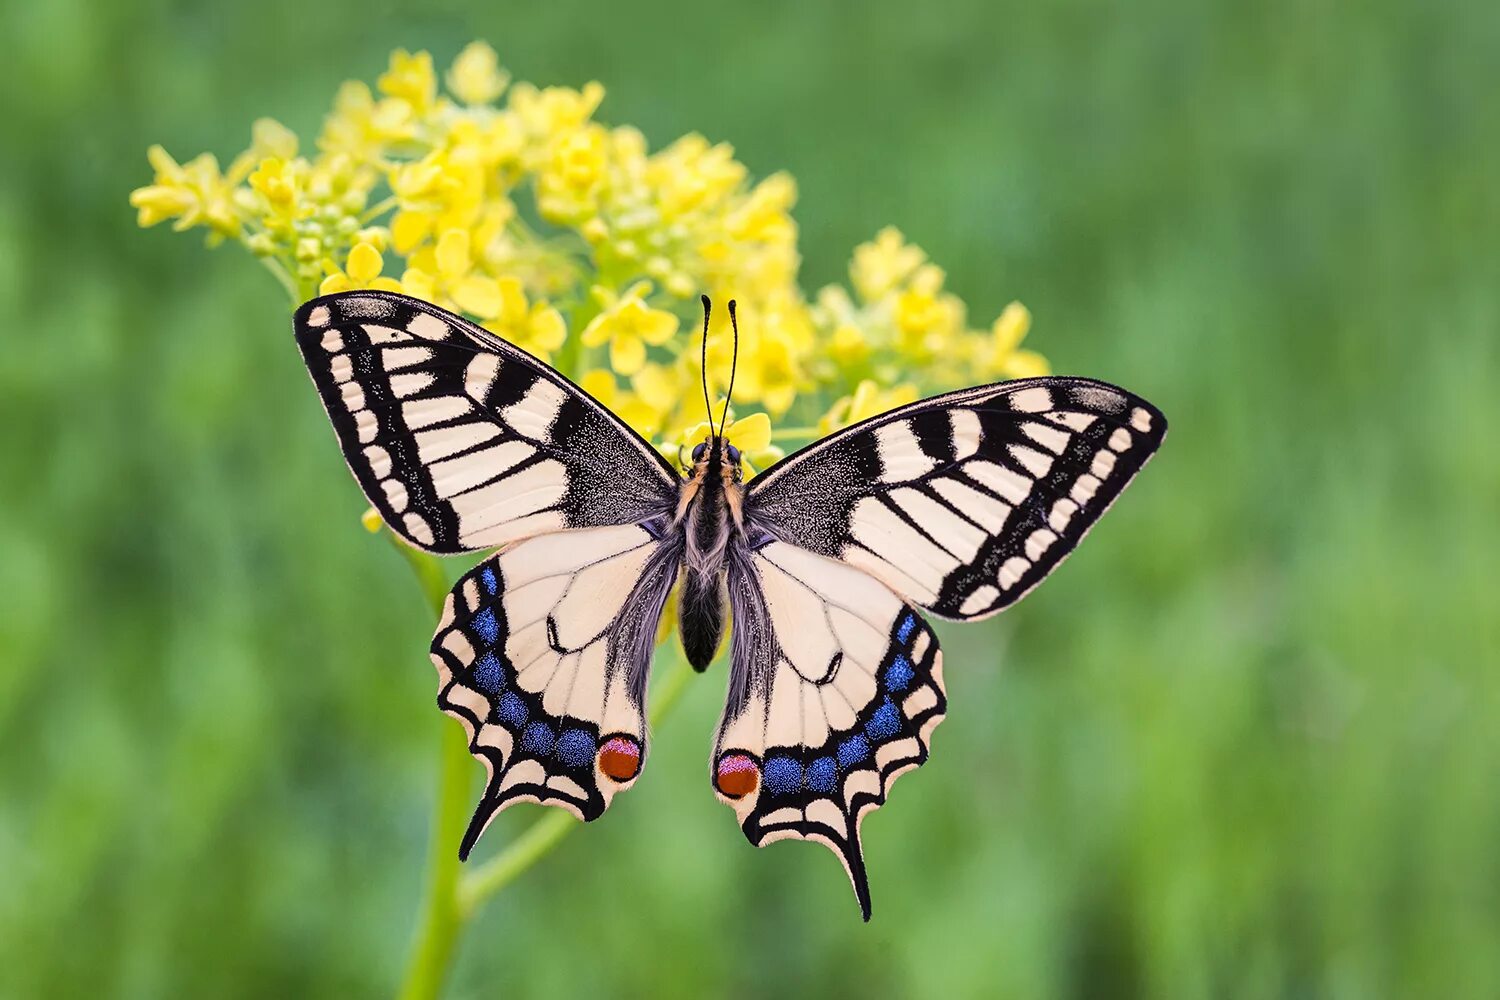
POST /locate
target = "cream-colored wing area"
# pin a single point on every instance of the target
(542, 654)
(835, 691)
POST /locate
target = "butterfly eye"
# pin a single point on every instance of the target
(734, 453)
(698, 452)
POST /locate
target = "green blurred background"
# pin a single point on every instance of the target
(1245, 744)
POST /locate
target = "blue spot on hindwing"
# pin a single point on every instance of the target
(782, 775)
(852, 751)
(488, 673)
(908, 625)
(822, 775)
(899, 674)
(538, 739)
(575, 748)
(885, 723)
(485, 624)
(511, 710)
(487, 577)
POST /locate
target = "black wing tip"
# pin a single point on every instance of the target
(854, 857)
(476, 827)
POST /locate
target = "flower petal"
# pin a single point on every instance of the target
(627, 354)
(752, 433)
(479, 295)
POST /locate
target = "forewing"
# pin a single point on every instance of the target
(835, 689)
(542, 653)
(963, 502)
(463, 441)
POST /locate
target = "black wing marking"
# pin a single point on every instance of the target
(835, 690)
(463, 441)
(543, 653)
(963, 502)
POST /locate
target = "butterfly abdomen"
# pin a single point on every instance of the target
(701, 614)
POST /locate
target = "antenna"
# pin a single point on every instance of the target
(733, 364)
(703, 364)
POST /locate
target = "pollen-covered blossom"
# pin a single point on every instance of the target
(574, 240)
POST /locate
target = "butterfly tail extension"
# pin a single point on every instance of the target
(835, 691)
(542, 654)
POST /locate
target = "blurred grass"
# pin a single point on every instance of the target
(1243, 745)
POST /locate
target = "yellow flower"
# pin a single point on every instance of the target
(361, 270)
(768, 370)
(476, 76)
(926, 316)
(1002, 356)
(570, 182)
(194, 193)
(277, 182)
(444, 190)
(765, 215)
(555, 110)
(848, 344)
(628, 324)
(690, 175)
(446, 272)
(880, 266)
(535, 327)
(867, 400)
(477, 194)
(410, 78)
(363, 129)
(1010, 328)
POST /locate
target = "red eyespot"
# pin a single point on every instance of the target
(620, 758)
(736, 775)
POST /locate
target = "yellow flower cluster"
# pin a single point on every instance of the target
(511, 204)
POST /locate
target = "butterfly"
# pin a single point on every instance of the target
(820, 567)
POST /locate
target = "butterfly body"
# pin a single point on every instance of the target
(711, 521)
(820, 568)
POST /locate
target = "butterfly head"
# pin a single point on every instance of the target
(717, 453)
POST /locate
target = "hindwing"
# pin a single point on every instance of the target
(835, 689)
(543, 653)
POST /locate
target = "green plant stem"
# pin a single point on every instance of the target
(440, 922)
(284, 278)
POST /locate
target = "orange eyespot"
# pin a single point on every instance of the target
(736, 775)
(620, 758)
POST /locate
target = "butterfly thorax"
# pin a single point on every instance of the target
(709, 513)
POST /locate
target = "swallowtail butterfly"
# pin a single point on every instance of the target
(956, 506)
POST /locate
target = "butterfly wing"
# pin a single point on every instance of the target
(957, 504)
(964, 502)
(835, 689)
(542, 653)
(463, 441)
